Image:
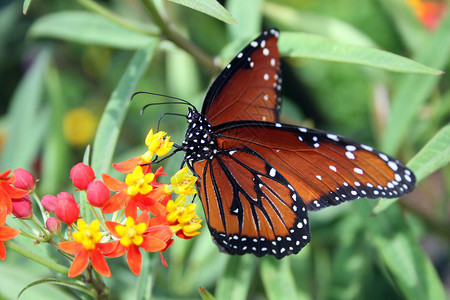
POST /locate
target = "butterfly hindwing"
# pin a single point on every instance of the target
(250, 209)
(249, 87)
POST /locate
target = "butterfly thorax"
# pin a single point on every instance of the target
(200, 142)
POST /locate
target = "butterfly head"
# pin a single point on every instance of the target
(199, 143)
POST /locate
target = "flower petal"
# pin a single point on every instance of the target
(113, 249)
(128, 165)
(116, 202)
(134, 259)
(143, 218)
(112, 183)
(79, 264)
(112, 228)
(5, 200)
(8, 233)
(70, 247)
(2, 251)
(99, 263)
(151, 244)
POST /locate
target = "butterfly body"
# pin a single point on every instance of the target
(259, 177)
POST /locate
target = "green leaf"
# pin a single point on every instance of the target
(205, 294)
(27, 121)
(113, 117)
(414, 90)
(326, 26)
(26, 5)
(410, 269)
(294, 44)
(278, 280)
(209, 7)
(88, 28)
(55, 150)
(433, 156)
(68, 284)
(237, 279)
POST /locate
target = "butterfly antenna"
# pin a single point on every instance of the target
(165, 114)
(179, 100)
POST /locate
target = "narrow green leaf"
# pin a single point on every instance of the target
(326, 26)
(113, 117)
(26, 119)
(433, 156)
(67, 284)
(209, 7)
(26, 5)
(205, 294)
(278, 280)
(87, 28)
(409, 267)
(294, 44)
(55, 150)
(238, 277)
(414, 90)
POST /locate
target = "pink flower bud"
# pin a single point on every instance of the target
(24, 179)
(81, 175)
(49, 202)
(97, 193)
(22, 207)
(53, 225)
(66, 208)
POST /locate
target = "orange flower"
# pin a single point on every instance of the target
(86, 246)
(135, 235)
(6, 233)
(7, 191)
(430, 13)
(131, 193)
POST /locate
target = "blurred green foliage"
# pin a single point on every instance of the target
(64, 55)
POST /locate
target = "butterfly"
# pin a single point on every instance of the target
(257, 177)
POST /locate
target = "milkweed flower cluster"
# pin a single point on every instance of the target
(120, 218)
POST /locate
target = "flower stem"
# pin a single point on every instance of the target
(179, 40)
(106, 13)
(40, 260)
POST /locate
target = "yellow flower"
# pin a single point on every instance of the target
(157, 144)
(88, 235)
(183, 183)
(131, 233)
(183, 217)
(138, 182)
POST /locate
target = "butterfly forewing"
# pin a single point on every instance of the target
(323, 168)
(249, 87)
(248, 208)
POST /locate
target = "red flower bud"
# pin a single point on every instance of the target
(49, 202)
(66, 208)
(53, 225)
(81, 175)
(24, 179)
(97, 193)
(22, 207)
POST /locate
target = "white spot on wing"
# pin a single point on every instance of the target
(272, 172)
(358, 171)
